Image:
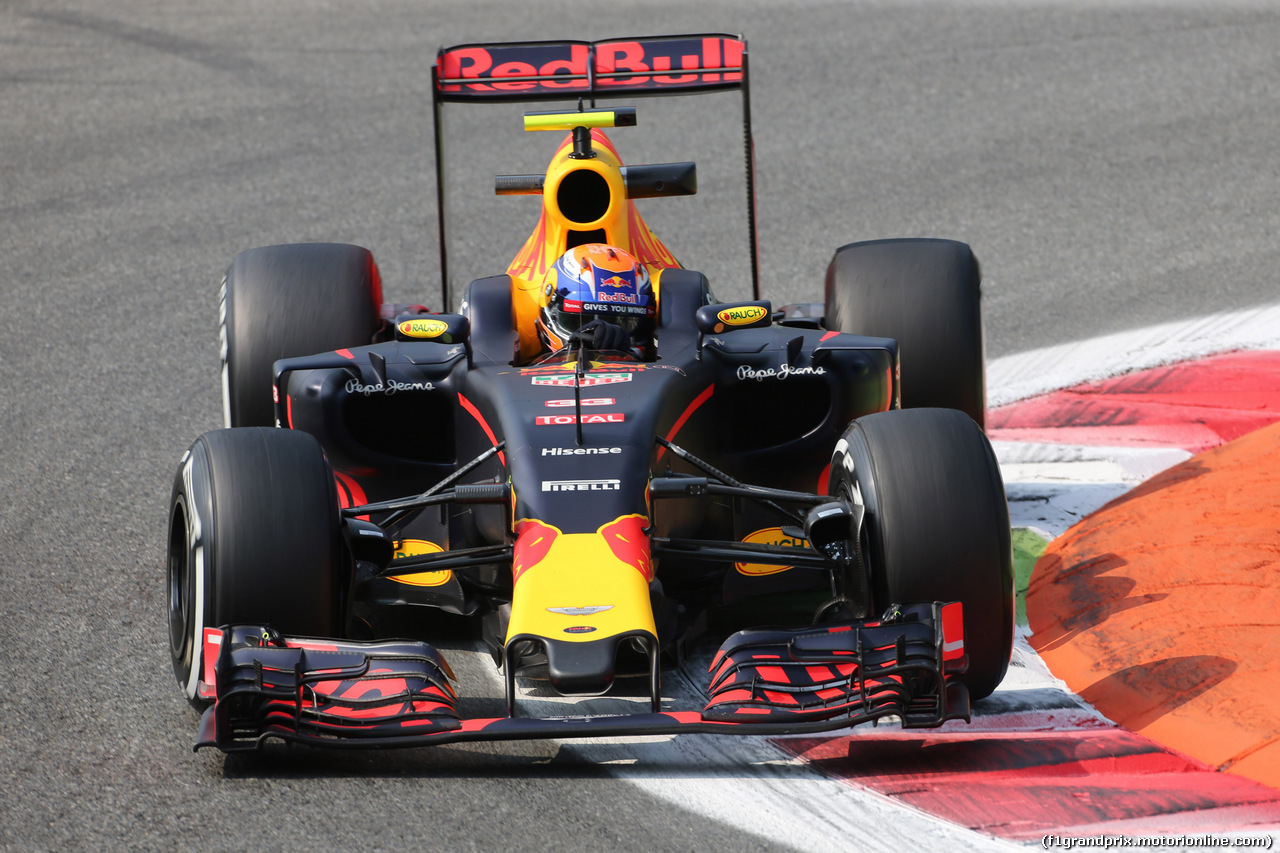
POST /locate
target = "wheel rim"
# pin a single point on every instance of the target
(179, 583)
(849, 583)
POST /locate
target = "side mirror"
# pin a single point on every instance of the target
(727, 316)
(437, 328)
(716, 319)
(660, 180)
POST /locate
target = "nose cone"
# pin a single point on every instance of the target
(580, 595)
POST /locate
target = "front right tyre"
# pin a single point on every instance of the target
(926, 294)
(254, 537)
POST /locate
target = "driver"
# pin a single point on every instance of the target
(600, 297)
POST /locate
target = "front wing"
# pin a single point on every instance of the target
(398, 693)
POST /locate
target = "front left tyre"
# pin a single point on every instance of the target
(254, 537)
(936, 525)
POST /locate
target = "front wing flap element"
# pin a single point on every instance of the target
(848, 671)
(398, 693)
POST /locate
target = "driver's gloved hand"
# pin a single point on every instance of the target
(599, 335)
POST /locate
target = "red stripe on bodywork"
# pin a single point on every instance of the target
(684, 717)
(775, 674)
(484, 425)
(350, 492)
(685, 415)
(479, 724)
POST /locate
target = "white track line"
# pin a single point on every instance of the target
(1016, 377)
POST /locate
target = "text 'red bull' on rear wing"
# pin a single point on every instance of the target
(649, 66)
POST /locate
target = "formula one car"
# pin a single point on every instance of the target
(595, 460)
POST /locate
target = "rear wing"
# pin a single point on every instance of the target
(649, 66)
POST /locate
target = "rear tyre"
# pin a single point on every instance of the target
(286, 301)
(936, 526)
(926, 294)
(254, 537)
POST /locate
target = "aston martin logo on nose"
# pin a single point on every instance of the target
(581, 611)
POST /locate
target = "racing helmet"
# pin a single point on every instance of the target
(595, 281)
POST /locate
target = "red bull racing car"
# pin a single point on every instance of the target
(596, 460)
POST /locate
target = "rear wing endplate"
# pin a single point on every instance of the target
(649, 66)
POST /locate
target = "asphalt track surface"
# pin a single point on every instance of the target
(1113, 165)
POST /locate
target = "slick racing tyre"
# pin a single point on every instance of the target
(286, 301)
(924, 293)
(254, 537)
(936, 524)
